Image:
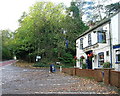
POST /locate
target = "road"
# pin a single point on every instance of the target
(3, 63)
(16, 80)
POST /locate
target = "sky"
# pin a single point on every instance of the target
(11, 11)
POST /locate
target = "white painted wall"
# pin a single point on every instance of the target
(114, 29)
(103, 47)
(119, 28)
(85, 41)
(117, 67)
(94, 37)
(99, 50)
(79, 52)
(106, 27)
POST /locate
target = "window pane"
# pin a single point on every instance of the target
(100, 58)
(101, 37)
(107, 53)
(81, 43)
(118, 57)
(89, 39)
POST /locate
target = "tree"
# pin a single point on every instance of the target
(7, 52)
(39, 31)
(73, 27)
(94, 11)
(48, 31)
(112, 8)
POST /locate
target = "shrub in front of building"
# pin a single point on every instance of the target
(106, 65)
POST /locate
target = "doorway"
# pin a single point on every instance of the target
(89, 59)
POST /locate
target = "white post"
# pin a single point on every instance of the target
(60, 68)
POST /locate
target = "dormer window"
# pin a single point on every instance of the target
(81, 43)
(89, 40)
(102, 36)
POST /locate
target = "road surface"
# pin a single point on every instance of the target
(16, 80)
(3, 63)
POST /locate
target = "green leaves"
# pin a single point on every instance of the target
(44, 31)
(7, 49)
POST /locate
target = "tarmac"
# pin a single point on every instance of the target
(16, 80)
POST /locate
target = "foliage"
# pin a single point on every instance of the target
(40, 65)
(84, 66)
(82, 57)
(96, 10)
(46, 63)
(106, 65)
(39, 31)
(7, 50)
(112, 8)
(45, 30)
(67, 59)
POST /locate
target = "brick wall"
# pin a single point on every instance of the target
(115, 78)
(85, 72)
(98, 75)
(110, 76)
(107, 77)
(68, 70)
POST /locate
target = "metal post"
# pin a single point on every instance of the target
(110, 44)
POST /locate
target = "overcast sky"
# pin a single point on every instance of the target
(11, 11)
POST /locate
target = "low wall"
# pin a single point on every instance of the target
(115, 78)
(109, 76)
(69, 71)
(85, 72)
(98, 75)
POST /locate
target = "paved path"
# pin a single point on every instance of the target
(16, 80)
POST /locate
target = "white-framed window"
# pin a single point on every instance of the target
(100, 59)
(81, 43)
(117, 56)
(89, 40)
(102, 36)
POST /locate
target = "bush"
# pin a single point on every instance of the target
(106, 65)
(84, 66)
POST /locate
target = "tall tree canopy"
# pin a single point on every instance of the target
(48, 31)
(112, 8)
(93, 11)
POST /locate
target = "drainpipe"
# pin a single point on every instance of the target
(110, 37)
